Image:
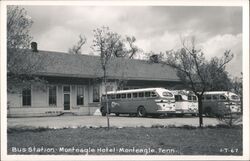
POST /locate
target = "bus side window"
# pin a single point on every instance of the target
(208, 97)
(222, 97)
(189, 98)
(134, 95)
(153, 94)
(194, 98)
(215, 97)
(118, 96)
(141, 94)
(112, 96)
(124, 95)
(129, 95)
(147, 94)
(109, 96)
(202, 98)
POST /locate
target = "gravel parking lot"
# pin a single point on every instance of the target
(97, 121)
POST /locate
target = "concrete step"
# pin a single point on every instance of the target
(67, 113)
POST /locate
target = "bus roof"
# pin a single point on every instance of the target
(182, 92)
(138, 90)
(219, 92)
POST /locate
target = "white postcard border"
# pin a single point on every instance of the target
(245, 49)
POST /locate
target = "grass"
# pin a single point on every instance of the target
(157, 140)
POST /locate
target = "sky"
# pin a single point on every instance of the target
(156, 28)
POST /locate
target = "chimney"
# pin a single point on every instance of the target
(34, 47)
(154, 58)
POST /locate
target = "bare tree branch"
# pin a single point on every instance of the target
(76, 49)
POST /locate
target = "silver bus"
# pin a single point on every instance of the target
(220, 103)
(142, 102)
(185, 103)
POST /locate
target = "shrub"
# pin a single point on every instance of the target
(230, 119)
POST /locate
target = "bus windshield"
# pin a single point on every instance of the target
(234, 97)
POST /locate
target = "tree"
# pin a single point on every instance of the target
(126, 47)
(76, 49)
(20, 67)
(111, 45)
(194, 70)
(108, 44)
(132, 48)
(217, 75)
(18, 25)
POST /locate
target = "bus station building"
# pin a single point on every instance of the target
(74, 85)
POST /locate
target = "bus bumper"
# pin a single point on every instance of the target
(186, 111)
(165, 112)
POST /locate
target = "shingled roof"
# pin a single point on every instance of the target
(89, 66)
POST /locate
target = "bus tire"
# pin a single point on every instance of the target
(117, 114)
(102, 112)
(141, 112)
(208, 111)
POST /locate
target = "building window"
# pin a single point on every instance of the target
(80, 95)
(26, 94)
(52, 95)
(110, 88)
(96, 93)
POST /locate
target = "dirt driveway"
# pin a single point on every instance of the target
(97, 121)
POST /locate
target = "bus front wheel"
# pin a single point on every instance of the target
(141, 112)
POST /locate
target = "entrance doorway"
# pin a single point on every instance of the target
(66, 101)
(66, 97)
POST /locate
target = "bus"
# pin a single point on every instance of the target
(185, 103)
(140, 102)
(220, 103)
